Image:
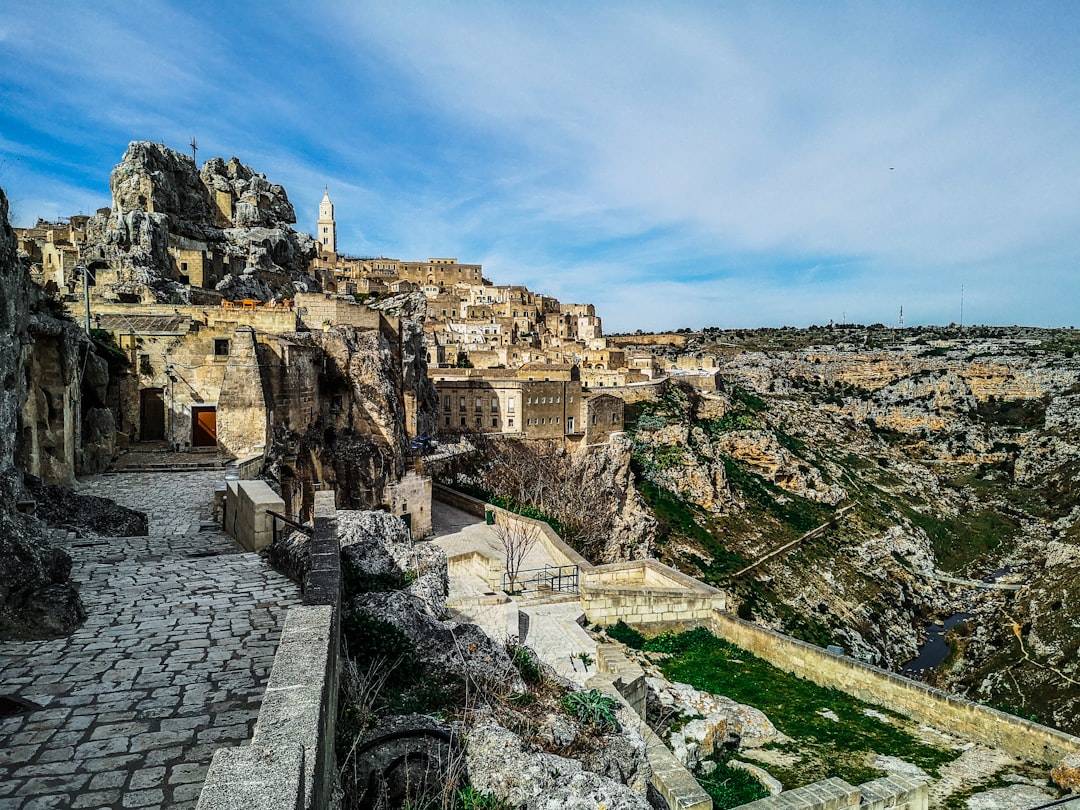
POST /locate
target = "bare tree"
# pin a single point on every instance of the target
(517, 539)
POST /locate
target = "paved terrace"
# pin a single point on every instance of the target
(170, 665)
(554, 632)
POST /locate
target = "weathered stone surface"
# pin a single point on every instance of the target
(498, 763)
(719, 721)
(376, 545)
(462, 649)
(36, 598)
(160, 196)
(63, 508)
(1066, 774)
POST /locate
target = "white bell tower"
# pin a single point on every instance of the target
(326, 227)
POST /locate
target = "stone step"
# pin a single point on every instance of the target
(547, 598)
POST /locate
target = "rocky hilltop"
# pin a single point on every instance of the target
(905, 456)
(226, 211)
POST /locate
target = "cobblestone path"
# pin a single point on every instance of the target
(170, 664)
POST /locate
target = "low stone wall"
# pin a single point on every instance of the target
(458, 500)
(247, 519)
(247, 467)
(477, 564)
(646, 592)
(560, 552)
(892, 792)
(1016, 736)
(290, 763)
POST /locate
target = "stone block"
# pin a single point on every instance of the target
(256, 778)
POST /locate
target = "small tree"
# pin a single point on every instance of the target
(517, 539)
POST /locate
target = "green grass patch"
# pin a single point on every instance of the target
(829, 747)
(965, 538)
(731, 787)
(801, 514)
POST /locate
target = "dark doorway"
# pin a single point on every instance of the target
(204, 426)
(152, 415)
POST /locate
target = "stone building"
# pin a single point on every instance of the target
(536, 401)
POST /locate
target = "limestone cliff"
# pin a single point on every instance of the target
(36, 596)
(355, 439)
(421, 399)
(950, 452)
(232, 216)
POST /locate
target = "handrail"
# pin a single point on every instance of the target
(306, 528)
(557, 578)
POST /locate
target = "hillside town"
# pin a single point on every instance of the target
(374, 458)
(504, 360)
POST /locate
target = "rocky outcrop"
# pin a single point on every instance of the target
(761, 451)
(161, 199)
(377, 546)
(60, 507)
(715, 723)
(629, 527)
(36, 596)
(420, 395)
(500, 764)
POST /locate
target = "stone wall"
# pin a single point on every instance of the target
(290, 762)
(976, 722)
(638, 392)
(646, 592)
(247, 519)
(412, 496)
(621, 678)
(835, 794)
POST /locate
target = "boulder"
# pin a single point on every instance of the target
(717, 721)
(441, 646)
(62, 508)
(1066, 774)
(497, 762)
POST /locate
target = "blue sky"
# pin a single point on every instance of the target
(677, 164)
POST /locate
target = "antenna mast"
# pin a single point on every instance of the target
(901, 324)
(961, 306)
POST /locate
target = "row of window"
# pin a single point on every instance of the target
(479, 404)
(480, 422)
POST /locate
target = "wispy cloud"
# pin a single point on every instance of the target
(678, 165)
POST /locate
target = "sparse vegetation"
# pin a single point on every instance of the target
(825, 747)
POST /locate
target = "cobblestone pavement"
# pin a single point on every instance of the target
(170, 665)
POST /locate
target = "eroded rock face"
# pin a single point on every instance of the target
(421, 396)
(36, 596)
(62, 508)
(498, 763)
(718, 721)
(359, 446)
(160, 198)
(377, 546)
(440, 646)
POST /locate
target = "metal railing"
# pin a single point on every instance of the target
(306, 528)
(549, 579)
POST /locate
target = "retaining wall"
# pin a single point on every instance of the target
(976, 722)
(893, 792)
(290, 762)
(646, 591)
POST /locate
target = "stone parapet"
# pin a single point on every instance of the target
(290, 763)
